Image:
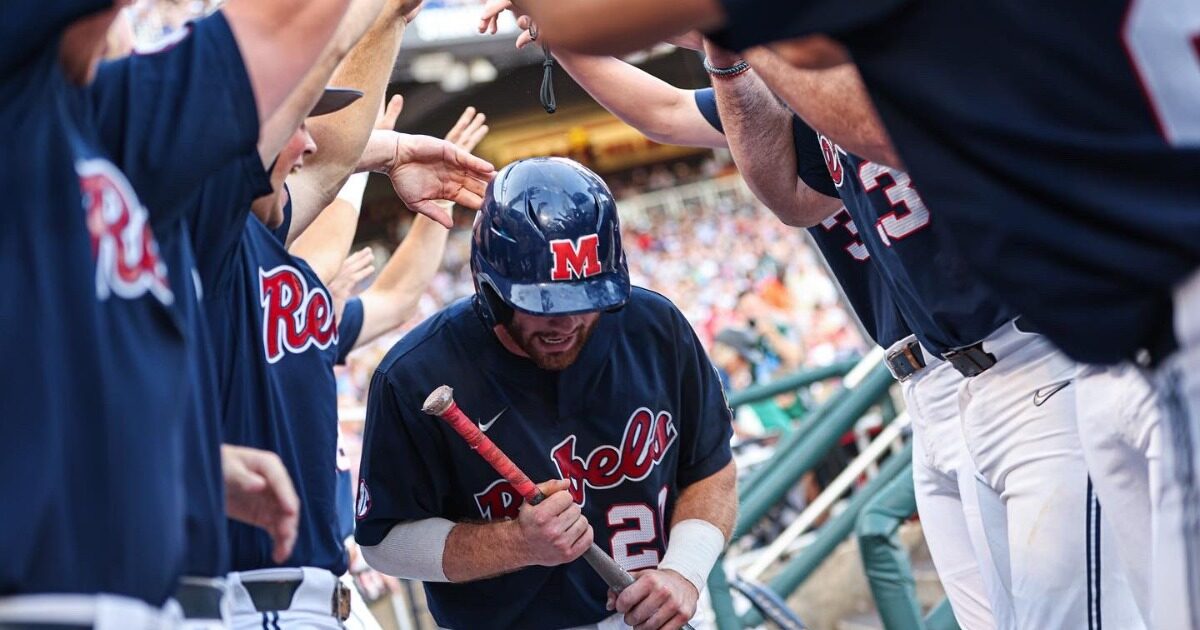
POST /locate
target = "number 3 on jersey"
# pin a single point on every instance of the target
(909, 213)
(1162, 38)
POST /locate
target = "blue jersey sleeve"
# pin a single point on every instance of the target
(707, 423)
(280, 233)
(348, 328)
(752, 23)
(706, 102)
(172, 118)
(217, 217)
(400, 476)
(810, 160)
(30, 27)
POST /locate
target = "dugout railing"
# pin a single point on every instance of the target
(875, 509)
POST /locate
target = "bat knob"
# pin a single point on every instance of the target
(439, 401)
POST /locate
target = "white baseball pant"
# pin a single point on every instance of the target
(311, 607)
(1043, 524)
(1118, 428)
(101, 612)
(947, 497)
(1176, 600)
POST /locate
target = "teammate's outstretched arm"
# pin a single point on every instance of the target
(426, 170)
(615, 27)
(280, 41)
(833, 101)
(704, 517)
(657, 109)
(392, 299)
(341, 136)
(327, 240)
(759, 131)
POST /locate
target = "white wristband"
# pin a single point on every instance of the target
(352, 191)
(692, 551)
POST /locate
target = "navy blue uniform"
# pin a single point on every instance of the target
(349, 326)
(151, 116)
(942, 302)
(838, 239)
(1064, 168)
(276, 340)
(639, 415)
(219, 208)
(93, 456)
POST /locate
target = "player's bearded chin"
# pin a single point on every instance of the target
(552, 343)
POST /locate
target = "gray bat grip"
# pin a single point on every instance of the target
(613, 575)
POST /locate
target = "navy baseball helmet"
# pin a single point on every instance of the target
(547, 242)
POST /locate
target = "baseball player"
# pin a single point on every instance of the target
(98, 540)
(950, 513)
(257, 489)
(600, 388)
(947, 309)
(275, 335)
(1115, 438)
(1065, 171)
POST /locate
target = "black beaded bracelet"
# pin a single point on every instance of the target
(732, 71)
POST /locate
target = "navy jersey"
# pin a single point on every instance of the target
(837, 238)
(349, 325)
(98, 475)
(943, 303)
(31, 28)
(152, 110)
(639, 415)
(1059, 141)
(276, 341)
(219, 208)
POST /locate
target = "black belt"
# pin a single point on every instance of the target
(970, 361)
(273, 595)
(973, 360)
(906, 361)
(199, 601)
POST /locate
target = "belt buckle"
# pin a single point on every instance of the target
(341, 601)
(913, 361)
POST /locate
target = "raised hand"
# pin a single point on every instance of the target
(469, 131)
(357, 267)
(528, 31)
(258, 491)
(389, 114)
(490, 19)
(425, 170)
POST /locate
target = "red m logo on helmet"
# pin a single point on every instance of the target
(575, 259)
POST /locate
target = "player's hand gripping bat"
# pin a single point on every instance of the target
(441, 404)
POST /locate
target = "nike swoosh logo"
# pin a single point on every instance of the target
(1042, 395)
(484, 426)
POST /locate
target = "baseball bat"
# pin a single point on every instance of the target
(441, 404)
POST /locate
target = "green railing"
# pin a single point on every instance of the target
(886, 562)
(799, 452)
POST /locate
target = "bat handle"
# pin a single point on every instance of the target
(613, 575)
